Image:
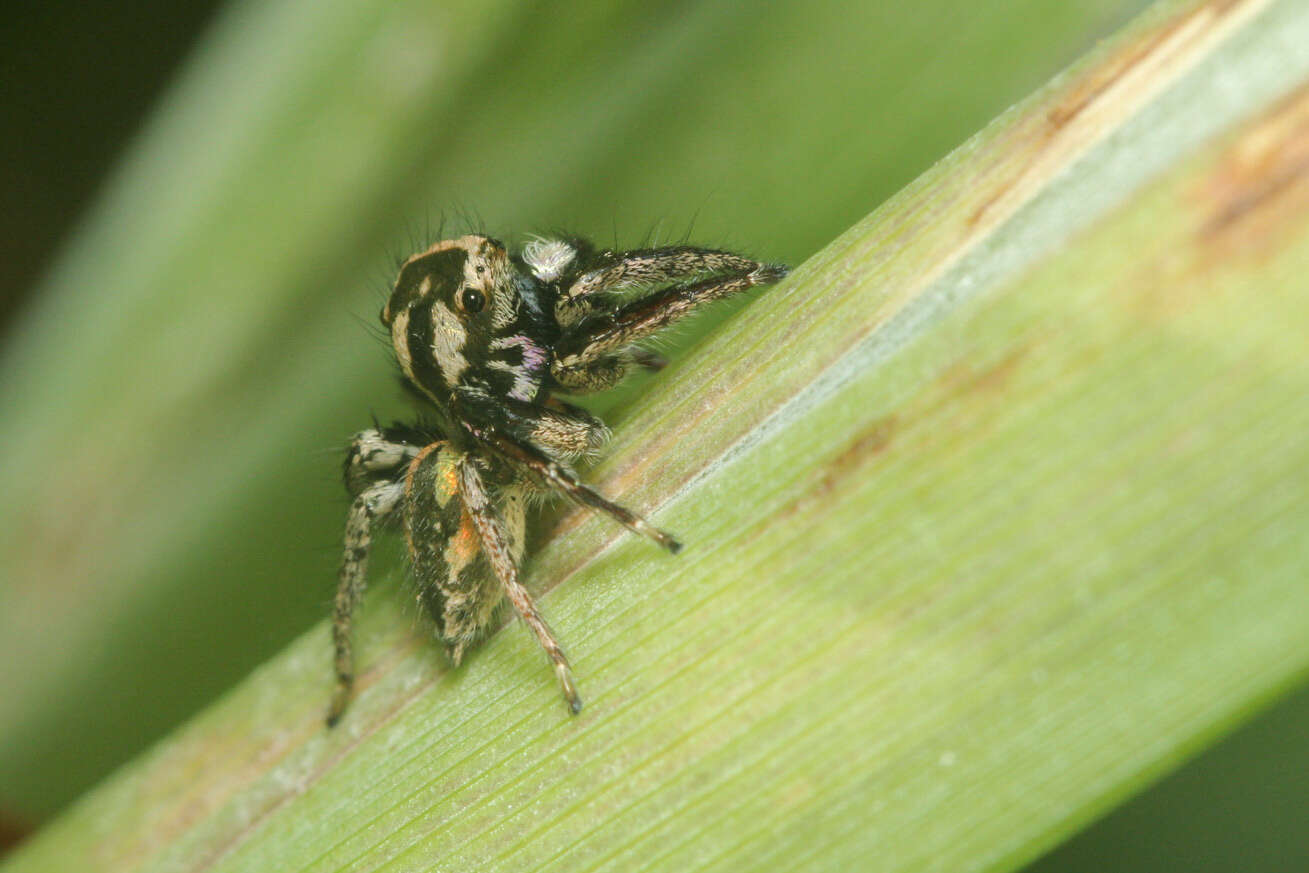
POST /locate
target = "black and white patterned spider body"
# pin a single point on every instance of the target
(490, 339)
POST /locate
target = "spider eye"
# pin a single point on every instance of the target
(472, 300)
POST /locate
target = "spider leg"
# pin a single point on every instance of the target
(607, 371)
(647, 267)
(599, 339)
(368, 509)
(600, 374)
(371, 466)
(564, 480)
(379, 454)
(498, 553)
(561, 429)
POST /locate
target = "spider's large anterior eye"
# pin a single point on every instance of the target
(472, 300)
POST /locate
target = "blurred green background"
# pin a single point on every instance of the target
(205, 204)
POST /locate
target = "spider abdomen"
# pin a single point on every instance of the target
(455, 583)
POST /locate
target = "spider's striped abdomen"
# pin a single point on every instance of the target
(455, 583)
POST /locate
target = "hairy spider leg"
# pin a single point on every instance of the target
(494, 545)
(367, 510)
(584, 370)
(375, 459)
(564, 480)
(559, 428)
(654, 266)
(596, 340)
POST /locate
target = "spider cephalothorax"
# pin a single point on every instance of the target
(490, 339)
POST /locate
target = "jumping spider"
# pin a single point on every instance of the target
(489, 339)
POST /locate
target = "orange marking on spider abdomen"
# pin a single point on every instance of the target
(465, 544)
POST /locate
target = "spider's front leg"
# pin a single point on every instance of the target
(374, 475)
(561, 429)
(499, 554)
(596, 347)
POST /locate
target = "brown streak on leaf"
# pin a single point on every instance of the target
(873, 440)
(1090, 88)
(962, 378)
(1260, 180)
(867, 444)
(956, 382)
(1099, 80)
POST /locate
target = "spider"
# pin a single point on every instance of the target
(487, 339)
